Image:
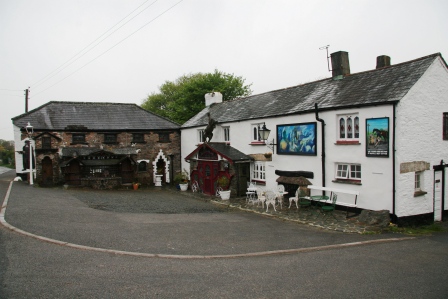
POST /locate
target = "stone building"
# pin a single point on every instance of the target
(103, 145)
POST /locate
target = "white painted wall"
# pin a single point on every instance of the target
(376, 188)
(18, 146)
(418, 138)
(419, 123)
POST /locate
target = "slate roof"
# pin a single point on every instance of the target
(83, 116)
(380, 86)
(225, 150)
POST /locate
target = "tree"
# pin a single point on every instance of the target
(6, 152)
(182, 99)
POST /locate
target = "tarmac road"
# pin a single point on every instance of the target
(192, 252)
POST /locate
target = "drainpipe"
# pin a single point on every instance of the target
(323, 144)
(394, 216)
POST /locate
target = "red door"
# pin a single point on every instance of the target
(208, 171)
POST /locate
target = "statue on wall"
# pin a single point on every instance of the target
(26, 156)
(208, 132)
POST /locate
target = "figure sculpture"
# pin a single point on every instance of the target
(208, 132)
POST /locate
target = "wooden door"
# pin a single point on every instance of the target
(47, 172)
(127, 172)
(208, 171)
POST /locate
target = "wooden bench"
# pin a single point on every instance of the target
(333, 190)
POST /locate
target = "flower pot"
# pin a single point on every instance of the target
(183, 187)
(135, 186)
(225, 195)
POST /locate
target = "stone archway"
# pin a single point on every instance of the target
(161, 161)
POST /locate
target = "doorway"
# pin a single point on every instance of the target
(47, 172)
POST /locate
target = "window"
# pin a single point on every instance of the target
(164, 137)
(255, 134)
(348, 128)
(201, 137)
(418, 181)
(46, 142)
(226, 131)
(142, 166)
(110, 138)
(138, 138)
(445, 126)
(419, 184)
(78, 138)
(349, 172)
(259, 171)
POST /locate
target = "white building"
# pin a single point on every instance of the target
(382, 133)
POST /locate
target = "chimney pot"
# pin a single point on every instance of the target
(382, 61)
(340, 64)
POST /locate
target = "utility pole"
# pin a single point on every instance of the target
(27, 91)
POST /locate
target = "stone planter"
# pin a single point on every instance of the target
(225, 195)
(183, 187)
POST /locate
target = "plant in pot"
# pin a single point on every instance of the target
(223, 183)
(135, 185)
(181, 180)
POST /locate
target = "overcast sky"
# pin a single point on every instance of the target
(63, 51)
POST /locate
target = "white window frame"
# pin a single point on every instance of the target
(259, 171)
(418, 181)
(254, 132)
(226, 133)
(348, 118)
(348, 171)
(200, 136)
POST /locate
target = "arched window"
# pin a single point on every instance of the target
(349, 128)
(356, 127)
(342, 128)
(142, 166)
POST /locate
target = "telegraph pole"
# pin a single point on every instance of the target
(27, 91)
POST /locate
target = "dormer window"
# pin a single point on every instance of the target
(46, 142)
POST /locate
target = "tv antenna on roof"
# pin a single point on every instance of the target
(328, 57)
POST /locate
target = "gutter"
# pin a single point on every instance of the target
(323, 143)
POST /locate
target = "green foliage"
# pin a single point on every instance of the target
(6, 153)
(418, 230)
(182, 99)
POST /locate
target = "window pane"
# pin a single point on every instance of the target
(46, 142)
(342, 128)
(356, 127)
(417, 181)
(342, 171)
(142, 166)
(355, 171)
(255, 136)
(349, 128)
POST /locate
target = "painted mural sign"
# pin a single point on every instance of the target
(377, 134)
(297, 139)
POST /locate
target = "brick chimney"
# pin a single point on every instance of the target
(340, 65)
(382, 61)
(213, 97)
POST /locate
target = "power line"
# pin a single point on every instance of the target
(78, 56)
(111, 47)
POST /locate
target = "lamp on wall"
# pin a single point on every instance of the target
(264, 135)
(29, 131)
